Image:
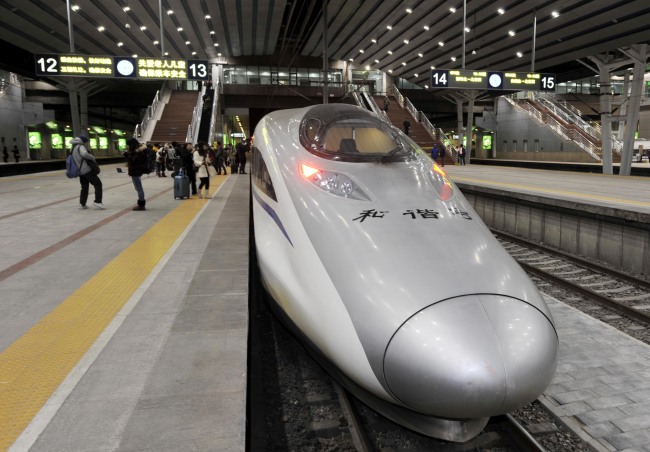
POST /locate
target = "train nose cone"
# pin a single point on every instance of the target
(470, 357)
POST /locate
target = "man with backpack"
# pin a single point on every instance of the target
(87, 175)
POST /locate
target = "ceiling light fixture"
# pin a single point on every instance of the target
(452, 9)
(193, 53)
(519, 54)
(403, 63)
(156, 43)
(135, 55)
(420, 55)
(511, 33)
(187, 42)
(170, 12)
(389, 27)
(212, 32)
(426, 27)
(360, 50)
(74, 7)
(377, 61)
(216, 44)
(127, 9)
(415, 75)
(409, 10)
(179, 29)
(453, 58)
(101, 28)
(374, 41)
(120, 44)
(555, 14)
(390, 52)
(406, 41)
(501, 11)
(207, 16)
(143, 27)
(466, 29)
(440, 43)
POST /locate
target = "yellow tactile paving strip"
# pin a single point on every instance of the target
(34, 366)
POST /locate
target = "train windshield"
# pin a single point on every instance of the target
(348, 133)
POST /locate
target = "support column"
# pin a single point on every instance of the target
(605, 115)
(74, 107)
(624, 104)
(83, 98)
(459, 117)
(470, 125)
(639, 54)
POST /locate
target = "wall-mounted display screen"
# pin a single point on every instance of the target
(57, 141)
(35, 140)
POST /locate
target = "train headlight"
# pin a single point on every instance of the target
(335, 183)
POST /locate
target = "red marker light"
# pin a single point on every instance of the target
(308, 171)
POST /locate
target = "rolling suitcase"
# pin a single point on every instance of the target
(181, 185)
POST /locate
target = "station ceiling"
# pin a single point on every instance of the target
(407, 37)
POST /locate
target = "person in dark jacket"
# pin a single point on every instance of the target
(187, 159)
(5, 154)
(407, 127)
(242, 149)
(137, 163)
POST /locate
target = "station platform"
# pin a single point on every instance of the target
(124, 330)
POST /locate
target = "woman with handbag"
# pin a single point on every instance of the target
(203, 163)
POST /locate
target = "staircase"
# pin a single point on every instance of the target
(176, 117)
(418, 133)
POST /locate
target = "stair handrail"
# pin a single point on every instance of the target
(215, 111)
(150, 112)
(557, 127)
(192, 129)
(572, 118)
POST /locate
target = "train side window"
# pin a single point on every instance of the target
(261, 176)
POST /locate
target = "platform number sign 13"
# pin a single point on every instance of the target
(198, 70)
(439, 78)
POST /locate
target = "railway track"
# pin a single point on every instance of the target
(626, 294)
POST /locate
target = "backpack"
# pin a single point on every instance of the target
(71, 169)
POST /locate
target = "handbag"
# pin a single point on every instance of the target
(211, 170)
(94, 166)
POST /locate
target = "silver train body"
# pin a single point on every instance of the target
(375, 257)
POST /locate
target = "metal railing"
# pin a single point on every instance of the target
(559, 128)
(150, 113)
(192, 128)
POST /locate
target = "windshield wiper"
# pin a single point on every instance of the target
(396, 153)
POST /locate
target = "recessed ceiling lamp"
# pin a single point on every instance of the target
(426, 27)
(360, 50)
(193, 53)
(212, 32)
(207, 16)
(452, 10)
(453, 58)
(143, 27)
(127, 9)
(403, 63)
(135, 55)
(511, 33)
(389, 27)
(216, 44)
(420, 55)
(555, 14)
(100, 28)
(501, 11)
(74, 7)
(187, 42)
(519, 54)
(377, 61)
(179, 29)
(156, 43)
(409, 10)
(390, 52)
(170, 12)
(120, 44)
(374, 41)
(406, 41)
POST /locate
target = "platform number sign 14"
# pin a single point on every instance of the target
(439, 78)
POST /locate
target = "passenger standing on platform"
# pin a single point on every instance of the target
(434, 152)
(16, 153)
(5, 154)
(137, 164)
(407, 127)
(386, 104)
(187, 162)
(161, 161)
(201, 161)
(242, 149)
(220, 156)
(461, 154)
(87, 175)
(443, 151)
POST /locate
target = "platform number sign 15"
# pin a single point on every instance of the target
(547, 82)
(198, 70)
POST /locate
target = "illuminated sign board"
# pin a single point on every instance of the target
(103, 142)
(121, 67)
(35, 140)
(74, 65)
(57, 141)
(492, 80)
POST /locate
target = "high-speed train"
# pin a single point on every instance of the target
(374, 257)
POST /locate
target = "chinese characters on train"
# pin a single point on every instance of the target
(413, 214)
